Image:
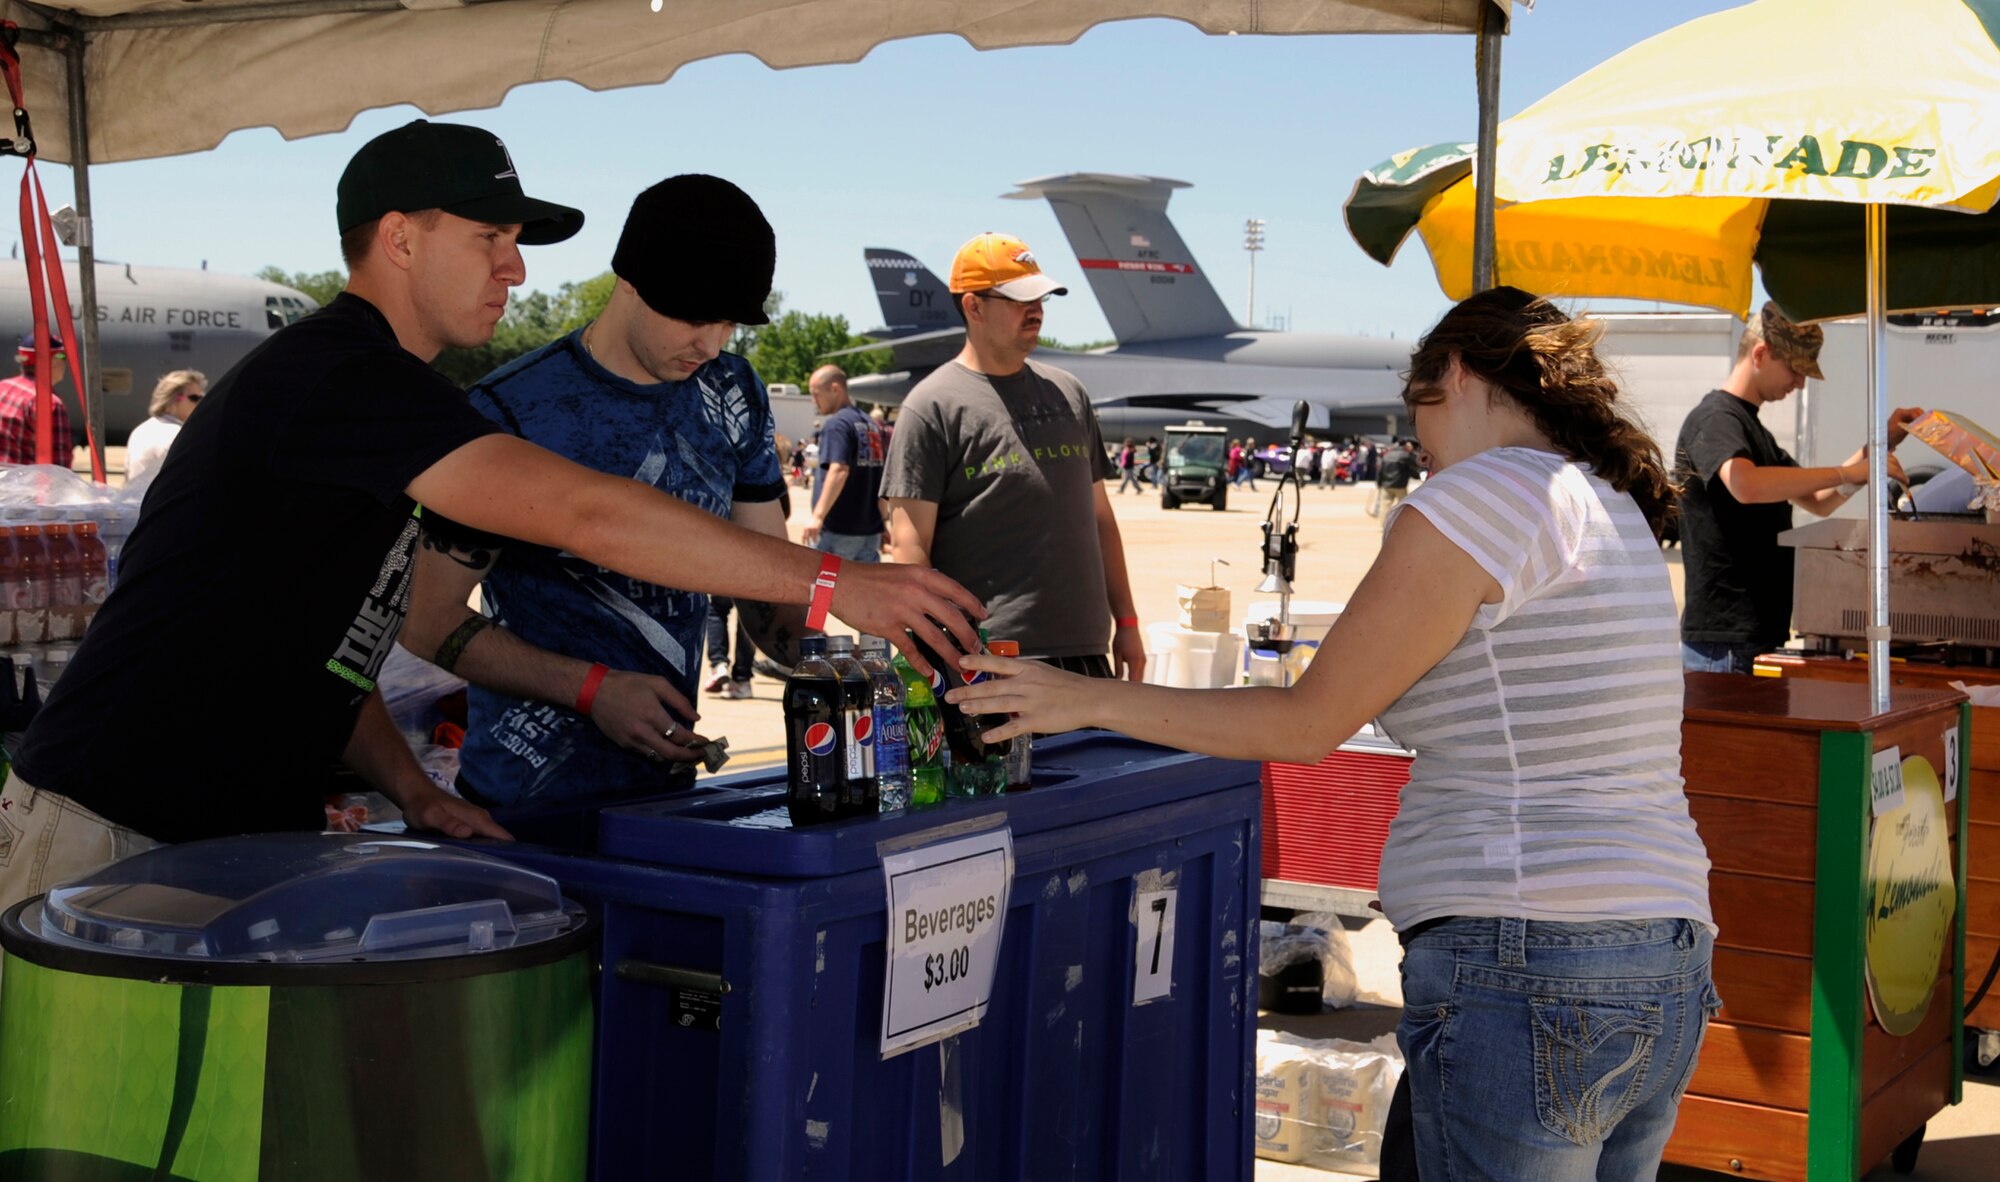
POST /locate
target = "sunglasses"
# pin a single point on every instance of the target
(194, 397)
(987, 295)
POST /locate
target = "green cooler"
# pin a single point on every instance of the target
(301, 1007)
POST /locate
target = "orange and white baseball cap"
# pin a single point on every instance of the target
(1003, 265)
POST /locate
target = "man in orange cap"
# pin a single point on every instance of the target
(996, 471)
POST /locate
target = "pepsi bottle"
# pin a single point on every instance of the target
(964, 734)
(815, 753)
(862, 797)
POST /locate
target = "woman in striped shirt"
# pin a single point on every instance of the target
(1543, 872)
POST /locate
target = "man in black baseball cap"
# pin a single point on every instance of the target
(274, 561)
(463, 171)
(645, 390)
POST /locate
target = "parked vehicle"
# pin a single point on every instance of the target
(1196, 466)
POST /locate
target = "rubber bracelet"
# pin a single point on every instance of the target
(822, 598)
(586, 696)
(1126, 622)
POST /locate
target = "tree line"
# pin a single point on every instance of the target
(786, 350)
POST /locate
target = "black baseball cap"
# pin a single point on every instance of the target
(462, 170)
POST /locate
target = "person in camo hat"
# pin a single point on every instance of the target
(1738, 488)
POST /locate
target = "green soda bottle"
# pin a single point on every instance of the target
(930, 758)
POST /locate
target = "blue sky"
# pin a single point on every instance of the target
(912, 147)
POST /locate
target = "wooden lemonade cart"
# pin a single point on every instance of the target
(1982, 872)
(1839, 889)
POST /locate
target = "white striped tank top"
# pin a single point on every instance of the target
(1547, 781)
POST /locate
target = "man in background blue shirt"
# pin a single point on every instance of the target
(847, 509)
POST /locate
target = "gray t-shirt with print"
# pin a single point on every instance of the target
(1012, 464)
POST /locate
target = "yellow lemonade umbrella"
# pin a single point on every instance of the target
(1848, 148)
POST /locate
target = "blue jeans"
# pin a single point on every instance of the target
(853, 547)
(1719, 656)
(1551, 1051)
(717, 634)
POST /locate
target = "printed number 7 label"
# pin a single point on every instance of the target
(1153, 967)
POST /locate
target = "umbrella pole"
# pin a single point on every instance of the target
(1486, 64)
(1877, 233)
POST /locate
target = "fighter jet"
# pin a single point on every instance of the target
(1180, 354)
(151, 321)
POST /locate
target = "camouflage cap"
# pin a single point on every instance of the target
(1797, 345)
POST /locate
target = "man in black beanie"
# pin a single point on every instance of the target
(271, 570)
(643, 391)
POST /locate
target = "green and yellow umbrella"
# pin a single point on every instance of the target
(1755, 135)
(1849, 149)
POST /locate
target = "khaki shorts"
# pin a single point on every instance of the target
(47, 839)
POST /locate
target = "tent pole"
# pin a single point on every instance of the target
(1878, 456)
(1486, 63)
(84, 360)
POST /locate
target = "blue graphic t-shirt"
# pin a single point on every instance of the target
(707, 440)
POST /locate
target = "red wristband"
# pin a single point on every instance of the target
(586, 697)
(1125, 622)
(822, 598)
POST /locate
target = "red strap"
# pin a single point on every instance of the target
(37, 233)
(586, 697)
(822, 599)
(1125, 622)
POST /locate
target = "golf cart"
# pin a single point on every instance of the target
(1197, 467)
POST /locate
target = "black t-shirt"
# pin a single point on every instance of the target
(854, 439)
(260, 591)
(1739, 579)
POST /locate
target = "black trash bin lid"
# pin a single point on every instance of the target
(296, 899)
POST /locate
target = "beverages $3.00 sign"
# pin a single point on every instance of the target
(947, 912)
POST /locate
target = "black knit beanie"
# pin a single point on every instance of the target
(697, 248)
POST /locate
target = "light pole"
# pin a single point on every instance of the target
(1253, 241)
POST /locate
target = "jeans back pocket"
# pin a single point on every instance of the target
(1591, 1061)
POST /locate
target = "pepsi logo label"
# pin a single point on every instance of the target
(937, 681)
(864, 728)
(820, 738)
(977, 678)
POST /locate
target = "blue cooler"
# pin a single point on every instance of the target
(741, 1000)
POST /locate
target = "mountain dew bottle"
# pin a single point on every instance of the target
(929, 757)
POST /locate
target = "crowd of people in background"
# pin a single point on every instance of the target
(1348, 459)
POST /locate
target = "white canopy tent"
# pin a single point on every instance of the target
(115, 80)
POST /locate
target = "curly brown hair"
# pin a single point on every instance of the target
(1547, 363)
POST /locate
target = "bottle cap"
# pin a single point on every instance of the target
(812, 646)
(1004, 648)
(840, 645)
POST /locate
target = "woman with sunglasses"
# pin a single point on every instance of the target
(174, 399)
(1543, 873)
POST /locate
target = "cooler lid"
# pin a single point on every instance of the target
(300, 897)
